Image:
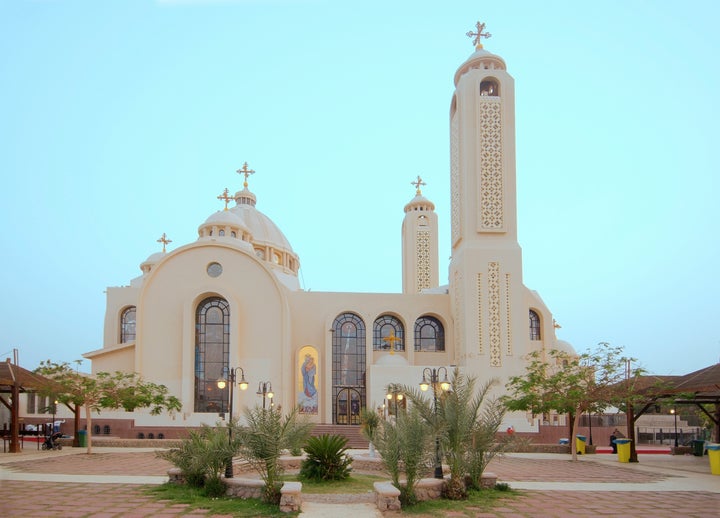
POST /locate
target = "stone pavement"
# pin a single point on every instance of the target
(108, 483)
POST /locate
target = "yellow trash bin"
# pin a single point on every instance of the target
(580, 444)
(623, 448)
(714, 456)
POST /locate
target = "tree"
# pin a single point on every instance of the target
(574, 384)
(263, 439)
(466, 421)
(406, 446)
(120, 390)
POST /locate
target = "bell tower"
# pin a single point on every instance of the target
(420, 243)
(486, 266)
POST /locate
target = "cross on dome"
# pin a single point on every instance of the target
(417, 183)
(164, 240)
(477, 35)
(247, 172)
(225, 196)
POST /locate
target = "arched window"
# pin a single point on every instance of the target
(429, 335)
(388, 334)
(534, 326)
(127, 325)
(212, 354)
(489, 87)
(348, 366)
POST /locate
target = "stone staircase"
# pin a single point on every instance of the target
(352, 433)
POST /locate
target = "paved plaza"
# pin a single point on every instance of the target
(109, 482)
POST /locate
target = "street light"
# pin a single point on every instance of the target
(52, 427)
(230, 377)
(394, 395)
(432, 377)
(672, 411)
(265, 389)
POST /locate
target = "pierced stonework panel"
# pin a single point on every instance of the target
(456, 199)
(422, 256)
(459, 309)
(481, 348)
(508, 319)
(495, 320)
(491, 171)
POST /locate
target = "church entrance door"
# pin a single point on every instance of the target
(348, 403)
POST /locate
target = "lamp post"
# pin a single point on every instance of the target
(590, 426)
(52, 427)
(396, 396)
(431, 376)
(672, 411)
(230, 377)
(265, 389)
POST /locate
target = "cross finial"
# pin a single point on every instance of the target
(225, 196)
(417, 183)
(479, 34)
(247, 172)
(392, 339)
(164, 240)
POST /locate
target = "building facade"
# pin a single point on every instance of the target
(232, 297)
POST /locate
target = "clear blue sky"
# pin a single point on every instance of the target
(124, 119)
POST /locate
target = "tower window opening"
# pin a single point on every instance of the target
(489, 87)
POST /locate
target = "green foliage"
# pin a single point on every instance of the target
(202, 457)
(406, 446)
(262, 441)
(569, 383)
(369, 423)
(94, 392)
(196, 498)
(574, 384)
(478, 503)
(355, 483)
(327, 458)
(466, 422)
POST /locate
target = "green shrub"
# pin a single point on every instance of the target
(406, 446)
(327, 458)
(202, 456)
(262, 441)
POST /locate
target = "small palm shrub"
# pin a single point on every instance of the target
(327, 458)
(202, 457)
(406, 447)
(263, 440)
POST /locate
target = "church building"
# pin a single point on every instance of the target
(229, 305)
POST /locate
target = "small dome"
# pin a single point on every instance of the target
(419, 202)
(224, 217)
(480, 59)
(224, 223)
(563, 346)
(151, 261)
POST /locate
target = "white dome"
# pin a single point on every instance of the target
(151, 261)
(262, 229)
(224, 217)
(563, 346)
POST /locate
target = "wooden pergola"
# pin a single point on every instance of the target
(698, 388)
(14, 380)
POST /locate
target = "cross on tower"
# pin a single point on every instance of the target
(391, 338)
(247, 172)
(417, 183)
(164, 240)
(225, 196)
(479, 34)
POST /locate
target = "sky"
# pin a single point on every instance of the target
(122, 120)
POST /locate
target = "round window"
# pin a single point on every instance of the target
(214, 269)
